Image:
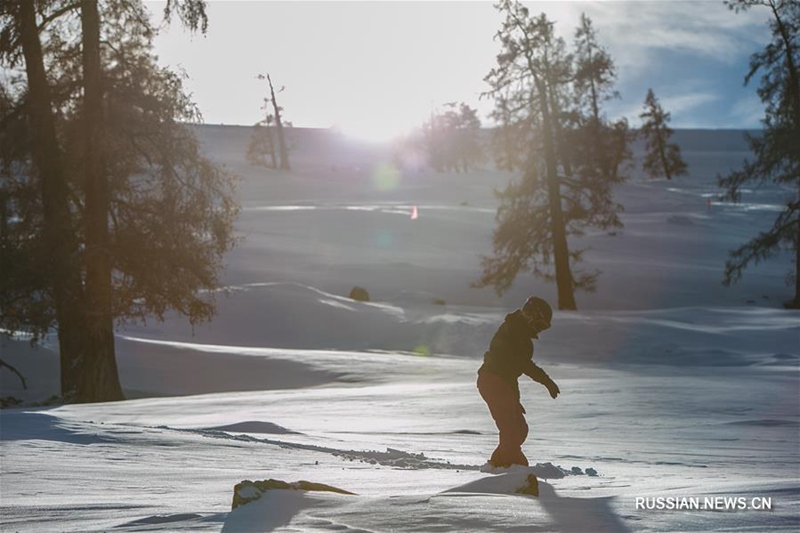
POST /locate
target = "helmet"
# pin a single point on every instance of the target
(538, 313)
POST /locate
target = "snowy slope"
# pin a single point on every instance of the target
(672, 385)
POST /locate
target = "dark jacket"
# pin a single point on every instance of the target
(511, 352)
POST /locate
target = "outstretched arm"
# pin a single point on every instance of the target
(540, 376)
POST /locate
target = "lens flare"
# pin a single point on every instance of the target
(422, 350)
(386, 177)
(384, 239)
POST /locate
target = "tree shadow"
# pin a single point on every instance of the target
(36, 425)
(580, 514)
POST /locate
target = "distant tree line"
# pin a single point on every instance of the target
(108, 210)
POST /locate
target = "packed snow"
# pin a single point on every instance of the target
(675, 389)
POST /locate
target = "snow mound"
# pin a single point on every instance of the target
(162, 519)
(519, 480)
(255, 426)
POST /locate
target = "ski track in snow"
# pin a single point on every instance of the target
(391, 457)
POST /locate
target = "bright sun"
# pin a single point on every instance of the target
(378, 133)
(373, 130)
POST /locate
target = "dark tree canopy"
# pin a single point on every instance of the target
(169, 210)
(776, 151)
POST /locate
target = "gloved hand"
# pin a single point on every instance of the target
(553, 389)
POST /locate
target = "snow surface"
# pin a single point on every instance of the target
(672, 385)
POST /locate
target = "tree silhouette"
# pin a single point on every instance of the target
(452, 138)
(777, 150)
(277, 118)
(662, 158)
(547, 102)
(261, 142)
(55, 230)
(109, 210)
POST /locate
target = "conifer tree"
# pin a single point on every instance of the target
(776, 151)
(48, 234)
(595, 150)
(548, 105)
(661, 158)
(452, 138)
(105, 143)
(469, 148)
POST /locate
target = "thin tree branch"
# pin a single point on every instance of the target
(50, 18)
(14, 370)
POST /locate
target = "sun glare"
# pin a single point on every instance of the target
(374, 131)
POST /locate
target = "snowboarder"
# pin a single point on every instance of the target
(510, 355)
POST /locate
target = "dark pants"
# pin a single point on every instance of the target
(509, 415)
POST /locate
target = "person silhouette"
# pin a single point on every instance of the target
(509, 356)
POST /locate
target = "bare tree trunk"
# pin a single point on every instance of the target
(272, 148)
(99, 377)
(4, 200)
(63, 268)
(796, 303)
(284, 153)
(566, 295)
(662, 155)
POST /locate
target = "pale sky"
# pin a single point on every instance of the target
(376, 69)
